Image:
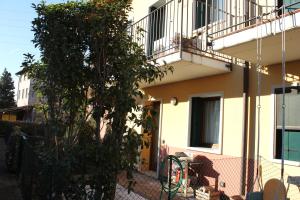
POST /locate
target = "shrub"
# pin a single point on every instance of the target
(11, 132)
(32, 129)
(6, 129)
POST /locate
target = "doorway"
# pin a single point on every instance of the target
(156, 25)
(155, 137)
(151, 133)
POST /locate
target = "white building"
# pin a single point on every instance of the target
(25, 94)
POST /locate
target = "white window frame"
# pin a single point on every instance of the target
(273, 131)
(202, 29)
(204, 149)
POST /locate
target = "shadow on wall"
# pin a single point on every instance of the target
(205, 172)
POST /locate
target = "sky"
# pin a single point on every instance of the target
(16, 34)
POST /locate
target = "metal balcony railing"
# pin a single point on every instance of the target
(247, 13)
(177, 26)
(191, 25)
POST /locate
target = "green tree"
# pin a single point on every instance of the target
(88, 60)
(7, 90)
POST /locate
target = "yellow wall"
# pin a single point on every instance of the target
(271, 79)
(9, 117)
(175, 119)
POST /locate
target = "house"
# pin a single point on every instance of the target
(26, 99)
(23, 113)
(216, 106)
(25, 92)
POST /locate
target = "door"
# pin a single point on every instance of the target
(156, 27)
(150, 138)
(155, 136)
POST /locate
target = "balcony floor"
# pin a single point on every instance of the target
(190, 66)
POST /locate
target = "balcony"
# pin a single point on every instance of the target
(240, 38)
(175, 32)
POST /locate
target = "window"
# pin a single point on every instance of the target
(287, 3)
(200, 13)
(18, 95)
(22, 93)
(156, 25)
(157, 19)
(216, 12)
(292, 124)
(205, 122)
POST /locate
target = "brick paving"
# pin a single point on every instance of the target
(146, 187)
(8, 183)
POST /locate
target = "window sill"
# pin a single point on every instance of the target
(206, 150)
(287, 162)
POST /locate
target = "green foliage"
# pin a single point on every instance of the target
(6, 90)
(12, 132)
(89, 65)
(6, 128)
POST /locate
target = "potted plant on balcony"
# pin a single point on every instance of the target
(159, 51)
(186, 42)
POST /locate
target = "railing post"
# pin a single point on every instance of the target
(236, 16)
(206, 24)
(170, 179)
(181, 27)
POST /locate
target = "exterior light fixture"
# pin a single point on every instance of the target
(174, 101)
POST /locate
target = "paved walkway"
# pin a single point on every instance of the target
(8, 185)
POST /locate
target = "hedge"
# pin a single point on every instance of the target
(32, 129)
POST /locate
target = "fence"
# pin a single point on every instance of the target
(27, 164)
(224, 175)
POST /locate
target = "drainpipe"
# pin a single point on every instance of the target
(245, 126)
